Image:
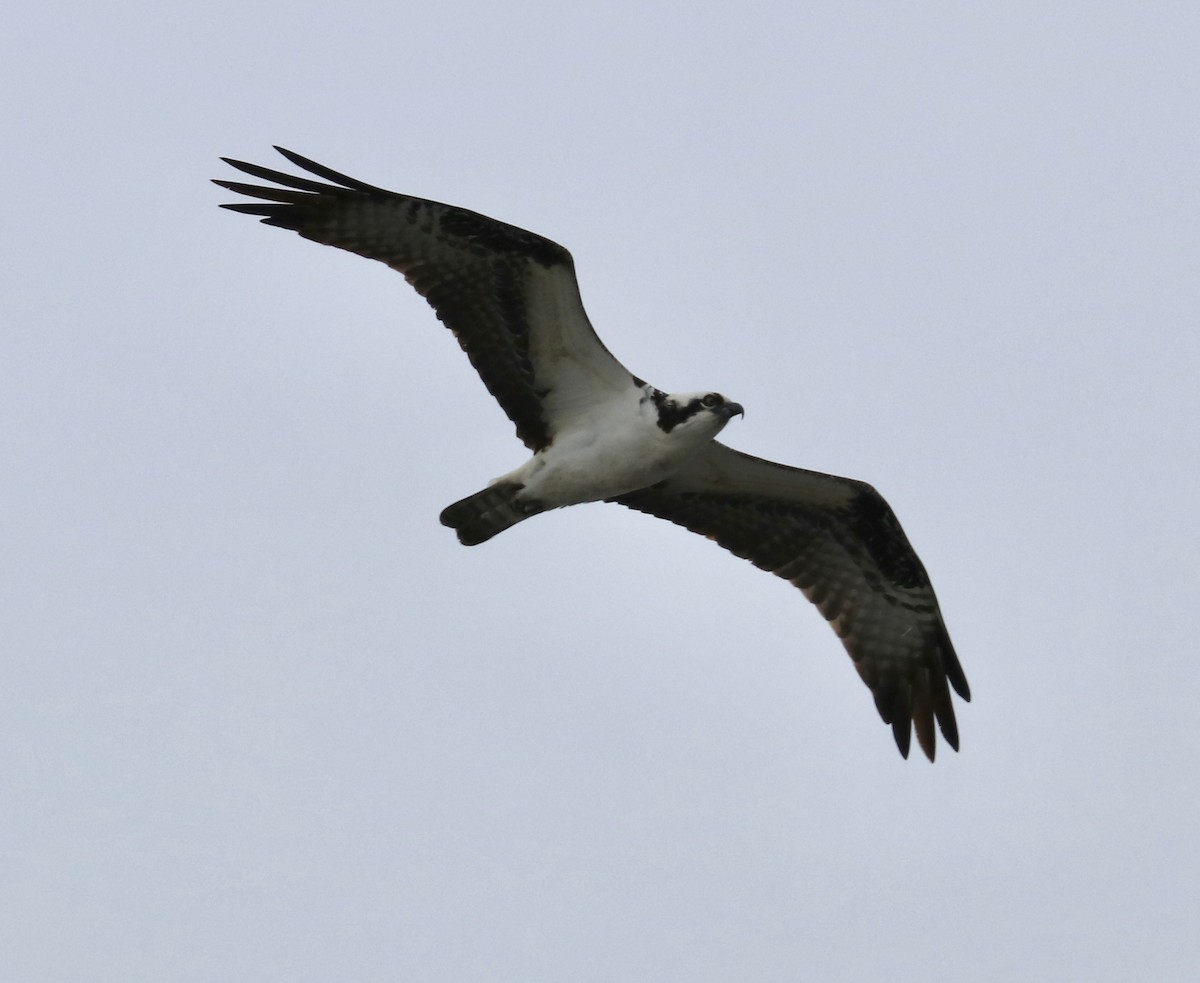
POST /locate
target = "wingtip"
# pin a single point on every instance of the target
(301, 161)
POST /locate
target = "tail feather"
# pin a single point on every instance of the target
(479, 517)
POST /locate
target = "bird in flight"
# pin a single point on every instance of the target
(597, 432)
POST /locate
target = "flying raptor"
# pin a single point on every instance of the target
(599, 433)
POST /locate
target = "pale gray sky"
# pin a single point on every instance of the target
(262, 718)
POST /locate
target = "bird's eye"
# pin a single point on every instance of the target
(711, 400)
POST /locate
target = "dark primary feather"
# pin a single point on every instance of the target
(475, 271)
(840, 543)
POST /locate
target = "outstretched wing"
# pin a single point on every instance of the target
(840, 543)
(509, 296)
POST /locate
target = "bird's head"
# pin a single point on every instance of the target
(701, 415)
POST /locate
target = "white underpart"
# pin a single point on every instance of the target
(615, 448)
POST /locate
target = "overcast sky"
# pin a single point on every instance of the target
(262, 718)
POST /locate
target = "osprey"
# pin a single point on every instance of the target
(599, 433)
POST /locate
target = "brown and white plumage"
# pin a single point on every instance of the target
(597, 432)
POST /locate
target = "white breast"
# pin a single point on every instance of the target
(616, 448)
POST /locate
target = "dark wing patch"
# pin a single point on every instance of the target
(476, 272)
(841, 544)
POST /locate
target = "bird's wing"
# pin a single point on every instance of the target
(509, 296)
(840, 543)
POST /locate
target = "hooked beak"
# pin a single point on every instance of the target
(732, 409)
